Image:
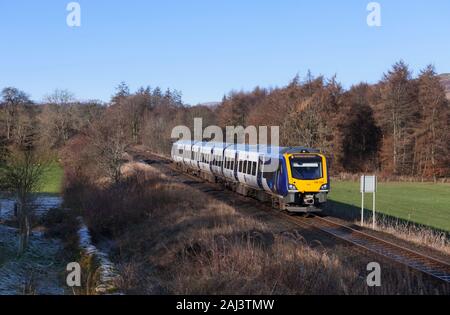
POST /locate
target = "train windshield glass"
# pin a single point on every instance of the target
(306, 168)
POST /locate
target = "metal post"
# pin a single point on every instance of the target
(362, 209)
(374, 215)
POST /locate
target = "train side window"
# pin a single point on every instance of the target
(232, 165)
(249, 168)
(245, 167)
(240, 166)
(254, 169)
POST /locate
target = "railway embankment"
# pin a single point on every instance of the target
(170, 233)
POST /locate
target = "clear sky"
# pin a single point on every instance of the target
(205, 48)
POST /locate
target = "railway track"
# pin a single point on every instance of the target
(430, 266)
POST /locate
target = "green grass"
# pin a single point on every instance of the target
(52, 180)
(423, 203)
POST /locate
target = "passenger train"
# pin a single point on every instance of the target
(299, 182)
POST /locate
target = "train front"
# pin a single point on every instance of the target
(308, 178)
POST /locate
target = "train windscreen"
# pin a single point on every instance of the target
(306, 168)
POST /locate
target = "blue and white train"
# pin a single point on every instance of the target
(295, 179)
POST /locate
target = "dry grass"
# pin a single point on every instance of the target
(169, 238)
(415, 234)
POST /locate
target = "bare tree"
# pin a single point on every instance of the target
(109, 143)
(21, 174)
(400, 115)
(433, 137)
(12, 100)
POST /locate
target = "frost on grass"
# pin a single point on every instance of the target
(41, 204)
(107, 271)
(35, 272)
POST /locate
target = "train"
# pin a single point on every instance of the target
(294, 179)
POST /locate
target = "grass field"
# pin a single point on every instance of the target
(422, 203)
(52, 180)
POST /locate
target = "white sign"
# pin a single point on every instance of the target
(368, 184)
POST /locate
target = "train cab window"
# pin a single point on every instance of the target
(254, 169)
(307, 168)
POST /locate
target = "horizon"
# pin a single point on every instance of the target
(206, 50)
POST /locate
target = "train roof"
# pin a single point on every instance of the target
(252, 148)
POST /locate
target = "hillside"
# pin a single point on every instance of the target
(446, 82)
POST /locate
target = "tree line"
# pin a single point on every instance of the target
(398, 126)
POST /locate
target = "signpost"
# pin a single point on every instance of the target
(368, 185)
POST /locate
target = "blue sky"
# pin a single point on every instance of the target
(206, 48)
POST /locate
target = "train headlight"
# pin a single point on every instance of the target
(325, 187)
(292, 187)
